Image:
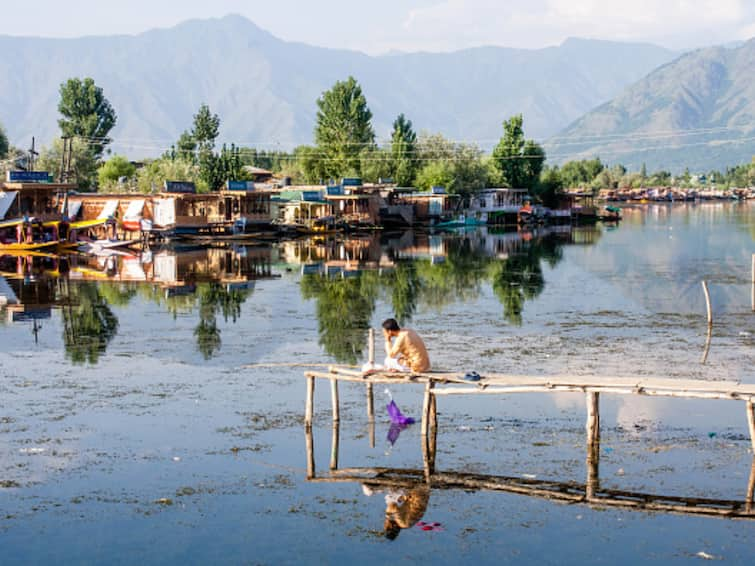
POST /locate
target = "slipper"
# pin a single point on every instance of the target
(472, 376)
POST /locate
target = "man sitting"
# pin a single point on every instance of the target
(407, 352)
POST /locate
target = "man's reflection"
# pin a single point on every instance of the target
(403, 507)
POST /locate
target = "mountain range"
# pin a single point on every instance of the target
(696, 112)
(265, 89)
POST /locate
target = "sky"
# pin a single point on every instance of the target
(407, 25)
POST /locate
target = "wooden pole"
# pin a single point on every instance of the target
(334, 446)
(707, 303)
(425, 428)
(752, 279)
(309, 407)
(593, 444)
(433, 441)
(334, 400)
(706, 349)
(751, 488)
(371, 346)
(370, 392)
(751, 423)
(310, 452)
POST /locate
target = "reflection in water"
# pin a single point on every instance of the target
(88, 322)
(432, 270)
(214, 282)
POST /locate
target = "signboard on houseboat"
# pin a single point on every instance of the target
(186, 187)
(27, 176)
(239, 185)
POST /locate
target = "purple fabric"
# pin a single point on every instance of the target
(394, 432)
(396, 416)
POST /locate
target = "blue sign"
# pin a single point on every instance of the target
(311, 196)
(28, 177)
(438, 190)
(239, 185)
(335, 191)
(186, 187)
(351, 182)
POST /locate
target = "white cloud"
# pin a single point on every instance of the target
(534, 23)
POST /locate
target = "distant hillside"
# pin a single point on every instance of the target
(697, 111)
(264, 89)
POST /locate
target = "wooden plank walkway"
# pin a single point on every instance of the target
(440, 384)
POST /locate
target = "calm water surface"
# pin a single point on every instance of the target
(149, 409)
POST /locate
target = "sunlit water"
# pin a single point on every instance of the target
(147, 412)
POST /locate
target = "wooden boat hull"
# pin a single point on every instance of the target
(34, 246)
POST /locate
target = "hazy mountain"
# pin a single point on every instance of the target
(697, 111)
(264, 89)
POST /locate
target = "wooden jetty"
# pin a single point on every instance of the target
(443, 384)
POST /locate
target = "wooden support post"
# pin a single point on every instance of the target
(433, 441)
(334, 400)
(310, 452)
(428, 464)
(751, 424)
(370, 392)
(593, 444)
(334, 446)
(752, 280)
(751, 488)
(706, 349)
(371, 346)
(707, 303)
(309, 406)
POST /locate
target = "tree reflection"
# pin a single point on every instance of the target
(215, 299)
(88, 323)
(345, 305)
(344, 310)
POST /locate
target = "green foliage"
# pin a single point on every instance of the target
(215, 299)
(375, 164)
(580, 174)
(436, 174)
(520, 161)
(86, 113)
(204, 132)
(83, 162)
(457, 166)
(403, 151)
(343, 128)
(549, 187)
(4, 145)
(113, 169)
(151, 177)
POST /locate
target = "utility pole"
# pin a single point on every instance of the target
(65, 164)
(32, 155)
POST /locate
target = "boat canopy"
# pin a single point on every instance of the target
(6, 201)
(108, 210)
(134, 210)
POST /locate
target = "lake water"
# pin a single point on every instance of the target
(151, 411)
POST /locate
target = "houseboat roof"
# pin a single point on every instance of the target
(53, 187)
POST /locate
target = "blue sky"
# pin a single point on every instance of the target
(408, 25)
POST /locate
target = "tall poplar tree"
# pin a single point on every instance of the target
(403, 151)
(86, 113)
(519, 161)
(343, 128)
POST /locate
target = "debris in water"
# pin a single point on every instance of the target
(176, 459)
(620, 472)
(712, 435)
(164, 501)
(397, 416)
(705, 555)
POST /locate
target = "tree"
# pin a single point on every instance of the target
(550, 186)
(205, 131)
(403, 151)
(520, 161)
(436, 174)
(83, 162)
(186, 146)
(113, 169)
(86, 113)
(152, 176)
(4, 145)
(343, 127)
(375, 164)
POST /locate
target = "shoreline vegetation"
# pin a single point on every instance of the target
(345, 145)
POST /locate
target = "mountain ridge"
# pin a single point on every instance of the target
(264, 89)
